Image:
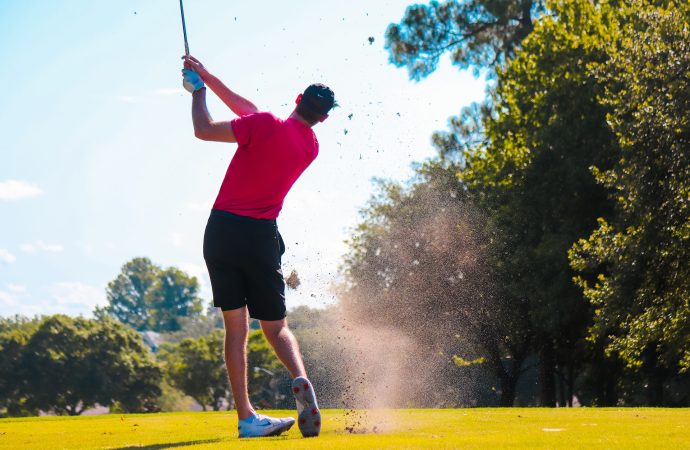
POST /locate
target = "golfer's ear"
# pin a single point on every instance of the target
(324, 117)
(298, 99)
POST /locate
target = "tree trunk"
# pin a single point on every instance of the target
(508, 384)
(547, 374)
(571, 384)
(610, 390)
(656, 376)
(562, 400)
(656, 388)
(509, 377)
(201, 403)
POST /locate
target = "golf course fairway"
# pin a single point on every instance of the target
(528, 428)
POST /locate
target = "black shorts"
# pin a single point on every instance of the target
(243, 259)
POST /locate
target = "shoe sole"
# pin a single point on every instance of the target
(309, 420)
(282, 429)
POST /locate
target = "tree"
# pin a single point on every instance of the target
(523, 158)
(173, 297)
(195, 367)
(13, 338)
(634, 267)
(146, 297)
(477, 33)
(56, 365)
(18, 322)
(69, 365)
(127, 294)
(196, 326)
(532, 176)
(127, 371)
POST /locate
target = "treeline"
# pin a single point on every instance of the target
(65, 366)
(149, 349)
(68, 365)
(546, 247)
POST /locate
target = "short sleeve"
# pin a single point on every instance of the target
(247, 126)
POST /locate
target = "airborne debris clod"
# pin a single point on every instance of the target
(292, 281)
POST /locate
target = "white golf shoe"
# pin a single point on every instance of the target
(259, 425)
(308, 414)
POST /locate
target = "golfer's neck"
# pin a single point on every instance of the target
(296, 116)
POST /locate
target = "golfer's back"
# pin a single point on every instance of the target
(271, 154)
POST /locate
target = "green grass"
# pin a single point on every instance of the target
(585, 428)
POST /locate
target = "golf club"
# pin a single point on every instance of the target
(184, 30)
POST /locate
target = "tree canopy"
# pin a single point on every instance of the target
(634, 266)
(583, 133)
(147, 297)
(476, 33)
(195, 367)
(67, 365)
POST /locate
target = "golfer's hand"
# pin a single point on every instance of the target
(191, 80)
(194, 64)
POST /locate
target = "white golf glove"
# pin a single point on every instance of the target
(191, 80)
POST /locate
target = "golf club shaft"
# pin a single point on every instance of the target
(184, 30)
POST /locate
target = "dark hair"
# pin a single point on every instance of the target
(316, 101)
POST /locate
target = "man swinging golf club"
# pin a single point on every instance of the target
(242, 245)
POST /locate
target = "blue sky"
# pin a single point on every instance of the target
(98, 162)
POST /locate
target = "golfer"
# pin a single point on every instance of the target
(242, 245)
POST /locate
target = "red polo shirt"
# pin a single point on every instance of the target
(271, 154)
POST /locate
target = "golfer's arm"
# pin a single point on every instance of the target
(204, 126)
(238, 104)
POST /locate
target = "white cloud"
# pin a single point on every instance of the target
(169, 91)
(40, 246)
(128, 99)
(10, 297)
(67, 297)
(6, 256)
(16, 190)
(16, 288)
(76, 294)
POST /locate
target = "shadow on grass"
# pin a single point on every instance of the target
(168, 445)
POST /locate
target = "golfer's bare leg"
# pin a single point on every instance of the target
(236, 330)
(285, 345)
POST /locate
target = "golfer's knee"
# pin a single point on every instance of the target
(273, 328)
(235, 336)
